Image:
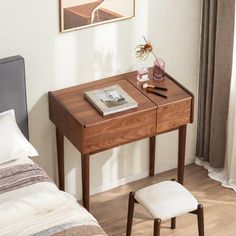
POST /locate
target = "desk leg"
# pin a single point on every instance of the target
(152, 149)
(181, 153)
(60, 159)
(85, 179)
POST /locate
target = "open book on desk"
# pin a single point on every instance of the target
(110, 100)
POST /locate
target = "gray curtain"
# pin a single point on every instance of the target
(214, 79)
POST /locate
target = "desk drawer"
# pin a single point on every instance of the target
(119, 131)
(173, 115)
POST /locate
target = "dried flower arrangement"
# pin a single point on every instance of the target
(142, 53)
(144, 50)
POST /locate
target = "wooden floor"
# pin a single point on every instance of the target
(110, 207)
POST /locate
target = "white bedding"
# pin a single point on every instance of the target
(38, 207)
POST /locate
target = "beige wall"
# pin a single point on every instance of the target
(123, 7)
(55, 60)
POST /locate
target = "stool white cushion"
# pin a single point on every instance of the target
(166, 199)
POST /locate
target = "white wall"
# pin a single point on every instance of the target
(122, 7)
(55, 60)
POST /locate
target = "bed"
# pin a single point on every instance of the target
(30, 203)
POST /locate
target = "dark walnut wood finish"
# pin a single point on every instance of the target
(90, 132)
(157, 221)
(172, 113)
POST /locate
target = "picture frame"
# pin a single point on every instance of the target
(79, 14)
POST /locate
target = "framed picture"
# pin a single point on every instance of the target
(78, 14)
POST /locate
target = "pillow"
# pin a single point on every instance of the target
(13, 144)
(10, 112)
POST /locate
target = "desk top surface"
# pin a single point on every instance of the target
(73, 100)
(176, 92)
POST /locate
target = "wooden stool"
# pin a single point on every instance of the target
(163, 201)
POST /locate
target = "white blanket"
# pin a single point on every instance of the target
(38, 207)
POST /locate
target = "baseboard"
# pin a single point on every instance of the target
(119, 182)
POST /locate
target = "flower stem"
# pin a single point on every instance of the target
(154, 55)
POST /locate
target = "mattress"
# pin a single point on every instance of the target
(31, 204)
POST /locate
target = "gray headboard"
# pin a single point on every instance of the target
(13, 90)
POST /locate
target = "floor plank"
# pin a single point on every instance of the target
(110, 207)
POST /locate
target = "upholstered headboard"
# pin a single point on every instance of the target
(13, 90)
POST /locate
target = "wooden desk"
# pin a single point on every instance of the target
(75, 118)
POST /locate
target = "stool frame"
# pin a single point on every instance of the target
(157, 222)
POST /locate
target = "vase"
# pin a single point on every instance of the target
(159, 69)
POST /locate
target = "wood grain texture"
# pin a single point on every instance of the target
(65, 122)
(85, 179)
(181, 153)
(60, 159)
(152, 152)
(130, 213)
(200, 218)
(187, 91)
(111, 207)
(119, 131)
(173, 111)
(173, 115)
(175, 91)
(91, 132)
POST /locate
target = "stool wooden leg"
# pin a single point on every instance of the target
(200, 218)
(130, 213)
(173, 223)
(157, 227)
(173, 220)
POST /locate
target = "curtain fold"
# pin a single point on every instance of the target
(217, 35)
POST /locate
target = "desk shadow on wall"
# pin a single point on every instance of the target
(43, 136)
(108, 52)
(93, 54)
